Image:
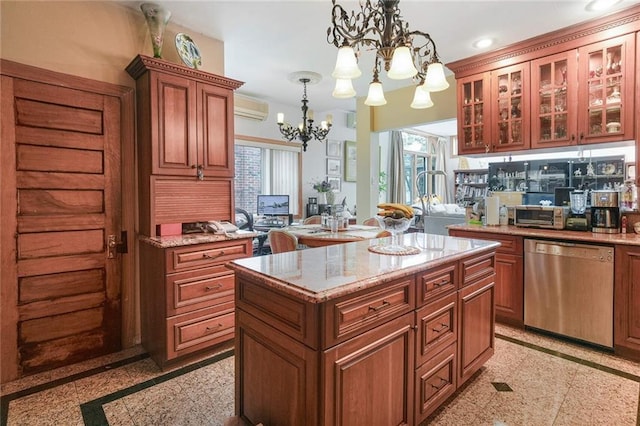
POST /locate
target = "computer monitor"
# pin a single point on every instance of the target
(273, 205)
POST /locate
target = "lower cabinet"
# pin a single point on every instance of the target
(386, 355)
(187, 297)
(627, 301)
(509, 286)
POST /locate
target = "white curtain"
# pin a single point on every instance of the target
(438, 150)
(395, 187)
(283, 169)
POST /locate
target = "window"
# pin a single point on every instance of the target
(266, 167)
(417, 158)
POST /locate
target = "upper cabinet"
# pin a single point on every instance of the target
(570, 87)
(606, 88)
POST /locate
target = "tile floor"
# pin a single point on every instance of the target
(531, 380)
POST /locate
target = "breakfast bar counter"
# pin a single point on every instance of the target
(344, 335)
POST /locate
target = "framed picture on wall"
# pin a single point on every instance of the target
(333, 167)
(335, 182)
(334, 148)
(349, 161)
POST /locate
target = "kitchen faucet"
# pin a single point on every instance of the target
(426, 210)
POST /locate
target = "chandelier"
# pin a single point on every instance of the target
(404, 53)
(305, 130)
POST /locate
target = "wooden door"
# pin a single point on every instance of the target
(61, 172)
(474, 114)
(627, 301)
(510, 289)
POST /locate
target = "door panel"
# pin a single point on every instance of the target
(63, 301)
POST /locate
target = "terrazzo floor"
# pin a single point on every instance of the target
(532, 379)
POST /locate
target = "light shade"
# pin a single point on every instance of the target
(344, 89)
(435, 80)
(346, 64)
(402, 64)
(375, 97)
(421, 98)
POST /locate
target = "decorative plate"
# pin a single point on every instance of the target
(188, 51)
(610, 169)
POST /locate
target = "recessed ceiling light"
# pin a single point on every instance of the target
(599, 5)
(482, 43)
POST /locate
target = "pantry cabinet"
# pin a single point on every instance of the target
(185, 144)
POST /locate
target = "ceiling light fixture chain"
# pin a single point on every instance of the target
(305, 130)
(405, 53)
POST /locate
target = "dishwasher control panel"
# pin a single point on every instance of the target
(582, 251)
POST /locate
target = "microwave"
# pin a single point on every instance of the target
(550, 217)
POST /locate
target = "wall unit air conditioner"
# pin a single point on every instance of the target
(250, 108)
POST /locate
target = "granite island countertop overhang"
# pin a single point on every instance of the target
(196, 238)
(553, 234)
(323, 273)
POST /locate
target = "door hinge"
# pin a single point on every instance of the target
(114, 246)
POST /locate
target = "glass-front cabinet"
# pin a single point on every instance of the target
(510, 91)
(554, 95)
(606, 97)
(475, 114)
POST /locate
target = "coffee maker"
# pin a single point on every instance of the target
(605, 212)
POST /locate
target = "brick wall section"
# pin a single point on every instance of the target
(248, 180)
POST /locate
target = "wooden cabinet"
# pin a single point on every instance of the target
(187, 298)
(185, 144)
(383, 355)
(580, 89)
(509, 285)
(626, 329)
(510, 96)
(470, 185)
(474, 114)
(606, 99)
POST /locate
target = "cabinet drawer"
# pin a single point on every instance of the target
(199, 330)
(203, 255)
(477, 267)
(437, 327)
(436, 380)
(356, 313)
(511, 244)
(188, 291)
(437, 283)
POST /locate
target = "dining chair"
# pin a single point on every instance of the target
(313, 220)
(372, 221)
(282, 241)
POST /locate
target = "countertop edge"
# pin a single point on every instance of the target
(192, 239)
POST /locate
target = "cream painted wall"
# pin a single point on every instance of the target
(92, 39)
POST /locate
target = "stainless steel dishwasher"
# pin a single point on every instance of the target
(568, 290)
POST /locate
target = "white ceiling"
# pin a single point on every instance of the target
(265, 41)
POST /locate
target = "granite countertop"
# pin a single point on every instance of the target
(323, 273)
(190, 239)
(591, 237)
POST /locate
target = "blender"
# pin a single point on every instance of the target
(577, 220)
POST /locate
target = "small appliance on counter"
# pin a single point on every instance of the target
(549, 217)
(577, 220)
(605, 212)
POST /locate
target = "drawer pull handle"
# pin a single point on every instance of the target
(213, 287)
(213, 329)
(208, 256)
(443, 383)
(443, 327)
(442, 282)
(381, 306)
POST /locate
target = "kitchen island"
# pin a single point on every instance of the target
(342, 335)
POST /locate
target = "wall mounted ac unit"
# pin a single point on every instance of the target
(250, 108)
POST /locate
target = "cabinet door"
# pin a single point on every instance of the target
(476, 312)
(627, 301)
(369, 379)
(173, 125)
(474, 114)
(215, 131)
(554, 93)
(510, 91)
(509, 289)
(606, 99)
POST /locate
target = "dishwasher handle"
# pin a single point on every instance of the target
(567, 249)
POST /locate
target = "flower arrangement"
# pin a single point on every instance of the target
(323, 186)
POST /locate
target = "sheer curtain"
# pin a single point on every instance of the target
(395, 187)
(283, 169)
(438, 149)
